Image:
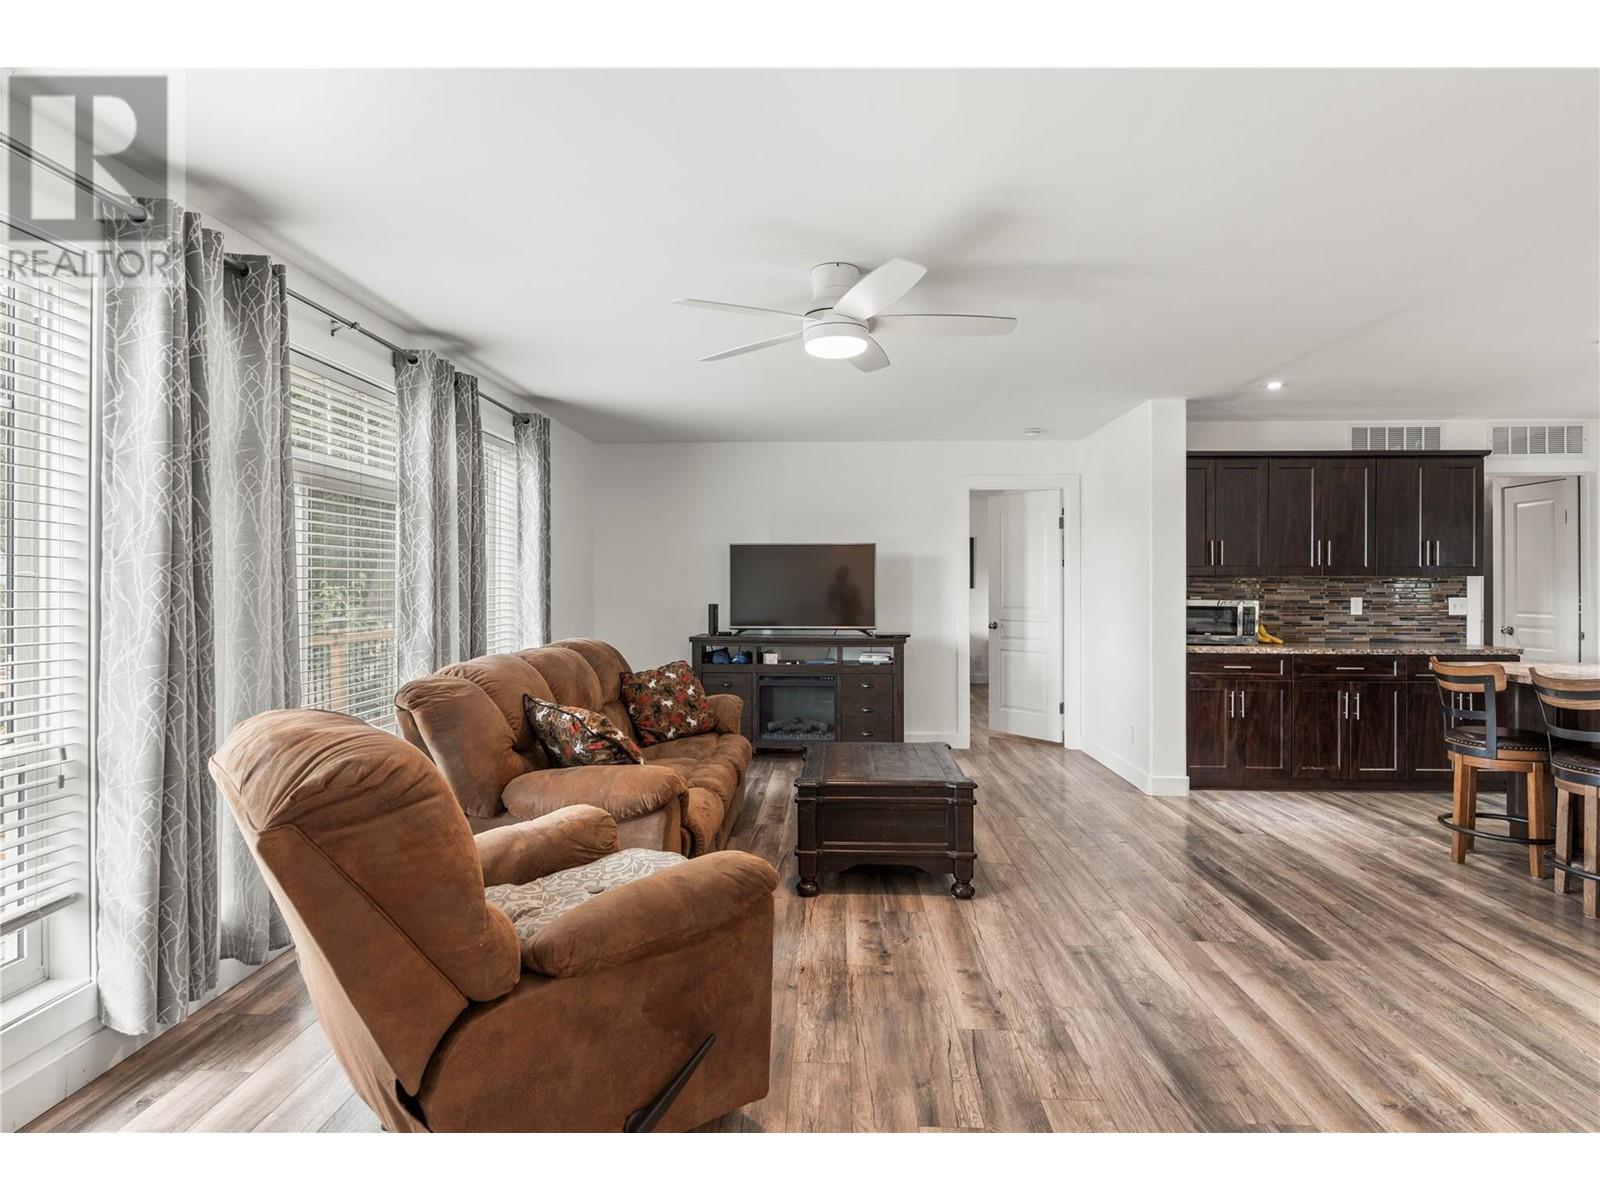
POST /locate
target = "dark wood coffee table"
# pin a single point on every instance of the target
(900, 804)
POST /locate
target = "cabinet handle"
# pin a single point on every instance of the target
(1438, 554)
(868, 686)
(1344, 705)
(866, 733)
(1236, 667)
(1241, 703)
(1329, 556)
(1358, 706)
(1349, 668)
(1427, 554)
(1230, 704)
(865, 709)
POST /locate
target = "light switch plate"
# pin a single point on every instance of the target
(1458, 606)
(1355, 606)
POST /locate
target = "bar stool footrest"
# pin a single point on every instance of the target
(1447, 820)
(1573, 869)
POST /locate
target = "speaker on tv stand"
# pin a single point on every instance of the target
(711, 620)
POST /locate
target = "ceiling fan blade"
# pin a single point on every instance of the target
(749, 346)
(871, 359)
(877, 290)
(944, 324)
(724, 306)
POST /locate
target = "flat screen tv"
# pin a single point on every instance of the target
(816, 586)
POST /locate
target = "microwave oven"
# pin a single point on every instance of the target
(1228, 622)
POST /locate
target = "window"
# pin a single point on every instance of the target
(500, 540)
(45, 515)
(344, 490)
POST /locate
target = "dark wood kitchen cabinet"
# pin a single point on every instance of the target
(1328, 513)
(1375, 731)
(1227, 499)
(1317, 723)
(1238, 719)
(1197, 489)
(1349, 730)
(1319, 516)
(1238, 731)
(1430, 515)
(1424, 725)
(1336, 720)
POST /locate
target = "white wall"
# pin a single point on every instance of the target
(665, 518)
(1132, 596)
(978, 595)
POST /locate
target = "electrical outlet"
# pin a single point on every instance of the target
(1356, 603)
(1458, 606)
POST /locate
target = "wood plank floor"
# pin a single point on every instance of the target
(1221, 961)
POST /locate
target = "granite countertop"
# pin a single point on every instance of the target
(1410, 648)
(1520, 671)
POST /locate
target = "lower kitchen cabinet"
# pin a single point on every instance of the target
(1349, 730)
(1425, 732)
(1331, 720)
(1374, 732)
(1238, 732)
(1318, 723)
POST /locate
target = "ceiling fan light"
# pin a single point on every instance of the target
(836, 345)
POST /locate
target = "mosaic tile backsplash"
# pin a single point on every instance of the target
(1316, 607)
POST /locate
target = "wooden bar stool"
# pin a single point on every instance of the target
(1477, 742)
(1575, 767)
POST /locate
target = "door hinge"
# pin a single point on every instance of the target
(1062, 708)
(1061, 521)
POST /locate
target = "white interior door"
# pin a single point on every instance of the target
(1025, 562)
(1539, 574)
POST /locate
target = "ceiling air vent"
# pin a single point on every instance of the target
(1537, 439)
(1395, 437)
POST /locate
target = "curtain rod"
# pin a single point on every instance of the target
(137, 213)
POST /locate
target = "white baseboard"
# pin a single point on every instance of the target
(1150, 785)
(951, 739)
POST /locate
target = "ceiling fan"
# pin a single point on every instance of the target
(844, 314)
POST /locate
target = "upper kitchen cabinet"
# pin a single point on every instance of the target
(1320, 513)
(1430, 515)
(1320, 516)
(1227, 515)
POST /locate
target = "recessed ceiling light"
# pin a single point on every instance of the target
(1032, 431)
(1274, 385)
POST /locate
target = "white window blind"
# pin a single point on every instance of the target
(500, 538)
(45, 474)
(344, 458)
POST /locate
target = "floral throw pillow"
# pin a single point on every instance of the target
(577, 737)
(666, 703)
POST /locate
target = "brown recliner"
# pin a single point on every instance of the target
(469, 719)
(442, 1018)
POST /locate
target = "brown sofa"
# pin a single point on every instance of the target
(443, 1017)
(469, 719)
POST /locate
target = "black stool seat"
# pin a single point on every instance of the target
(1473, 739)
(1576, 766)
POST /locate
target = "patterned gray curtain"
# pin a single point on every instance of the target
(531, 434)
(155, 846)
(258, 654)
(441, 610)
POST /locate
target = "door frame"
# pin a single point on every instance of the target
(1071, 609)
(1494, 585)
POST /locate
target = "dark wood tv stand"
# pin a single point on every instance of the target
(819, 690)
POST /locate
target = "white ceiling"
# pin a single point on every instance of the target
(1418, 244)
